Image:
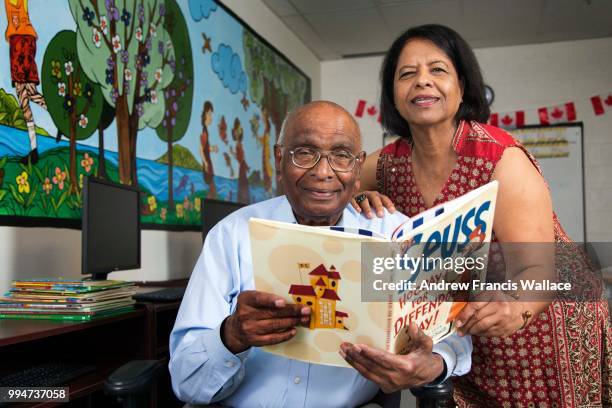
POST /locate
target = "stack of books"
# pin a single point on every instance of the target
(58, 299)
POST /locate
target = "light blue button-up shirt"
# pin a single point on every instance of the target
(203, 370)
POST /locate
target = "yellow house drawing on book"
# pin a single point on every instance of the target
(321, 295)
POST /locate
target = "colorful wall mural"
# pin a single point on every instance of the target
(179, 98)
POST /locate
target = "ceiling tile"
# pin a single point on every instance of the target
(354, 32)
(323, 6)
(281, 8)
(500, 22)
(401, 17)
(304, 31)
(570, 19)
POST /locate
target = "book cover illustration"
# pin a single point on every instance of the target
(322, 267)
(321, 295)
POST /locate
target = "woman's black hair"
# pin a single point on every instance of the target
(474, 105)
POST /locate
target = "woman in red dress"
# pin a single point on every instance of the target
(526, 353)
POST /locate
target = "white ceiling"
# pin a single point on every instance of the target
(335, 29)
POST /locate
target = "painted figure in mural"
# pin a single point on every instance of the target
(266, 168)
(228, 163)
(207, 165)
(264, 141)
(239, 155)
(22, 37)
(223, 130)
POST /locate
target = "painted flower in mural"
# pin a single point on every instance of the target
(141, 12)
(125, 56)
(61, 89)
(139, 109)
(47, 186)
(142, 60)
(126, 17)
(197, 202)
(22, 183)
(89, 91)
(97, 38)
(56, 69)
(88, 15)
(83, 121)
(59, 178)
(104, 24)
(114, 95)
(163, 214)
(113, 11)
(87, 162)
(152, 203)
(154, 98)
(110, 77)
(179, 211)
(127, 74)
(77, 89)
(153, 30)
(116, 41)
(138, 34)
(172, 64)
(186, 204)
(69, 103)
(69, 68)
(158, 74)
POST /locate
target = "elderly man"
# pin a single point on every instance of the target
(222, 320)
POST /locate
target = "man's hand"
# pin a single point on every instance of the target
(394, 372)
(262, 319)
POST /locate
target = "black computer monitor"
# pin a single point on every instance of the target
(111, 228)
(214, 211)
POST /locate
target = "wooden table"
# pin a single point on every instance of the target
(106, 343)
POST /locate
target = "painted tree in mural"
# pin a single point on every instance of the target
(179, 94)
(74, 101)
(106, 118)
(119, 48)
(273, 82)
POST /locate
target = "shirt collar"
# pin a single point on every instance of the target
(285, 213)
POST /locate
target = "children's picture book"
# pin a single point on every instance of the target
(333, 270)
(58, 285)
(89, 297)
(61, 299)
(68, 317)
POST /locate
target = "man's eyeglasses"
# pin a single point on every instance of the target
(339, 160)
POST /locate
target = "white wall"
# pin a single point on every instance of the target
(523, 77)
(30, 252)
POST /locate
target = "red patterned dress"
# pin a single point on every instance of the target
(563, 357)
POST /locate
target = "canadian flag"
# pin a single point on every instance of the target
(508, 120)
(372, 110)
(556, 114)
(361, 105)
(601, 103)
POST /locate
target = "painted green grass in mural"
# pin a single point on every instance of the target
(45, 190)
(12, 115)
